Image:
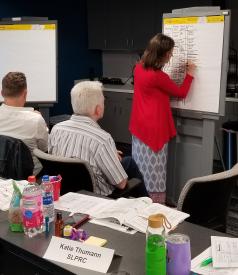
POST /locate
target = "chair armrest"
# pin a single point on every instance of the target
(126, 192)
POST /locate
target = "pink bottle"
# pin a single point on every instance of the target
(32, 208)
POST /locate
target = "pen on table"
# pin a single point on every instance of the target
(206, 262)
(47, 229)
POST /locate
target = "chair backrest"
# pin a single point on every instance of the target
(15, 159)
(207, 198)
(76, 174)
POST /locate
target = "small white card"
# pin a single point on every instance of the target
(78, 254)
(224, 251)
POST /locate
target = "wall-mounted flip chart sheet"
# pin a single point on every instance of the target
(199, 39)
(31, 49)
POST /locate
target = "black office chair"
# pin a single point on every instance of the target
(15, 159)
(76, 174)
(207, 199)
(127, 191)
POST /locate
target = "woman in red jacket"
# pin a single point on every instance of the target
(151, 122)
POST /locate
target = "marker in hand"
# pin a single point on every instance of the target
(190, 67)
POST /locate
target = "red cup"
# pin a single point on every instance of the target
(56, 182)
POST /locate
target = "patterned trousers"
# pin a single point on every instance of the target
(153, 166)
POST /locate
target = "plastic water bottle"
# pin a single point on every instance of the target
(32, 209)
(48, 198)
(155, 245)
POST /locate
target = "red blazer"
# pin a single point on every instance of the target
(151, 117)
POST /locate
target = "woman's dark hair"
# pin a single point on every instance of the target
(156, 50)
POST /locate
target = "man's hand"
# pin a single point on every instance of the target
(122, 184)
(119, 154)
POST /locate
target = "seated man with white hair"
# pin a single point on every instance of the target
(81, 137)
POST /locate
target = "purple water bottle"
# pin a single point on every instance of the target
(178, 254)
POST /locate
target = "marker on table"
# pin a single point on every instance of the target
(47, 229)
(206, 262)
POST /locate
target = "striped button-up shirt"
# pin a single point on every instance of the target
(81, 137)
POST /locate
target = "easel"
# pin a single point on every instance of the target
(42, 106)
(191, 152)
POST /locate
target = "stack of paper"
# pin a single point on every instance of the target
(79, 203)
(127, 213)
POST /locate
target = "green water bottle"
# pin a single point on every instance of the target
(155, 261)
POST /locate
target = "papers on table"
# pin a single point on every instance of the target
(79, 203)
(123, 210)
(121, 214)
(134, 213)
(209, 269)
(224, 251)
(6, 191)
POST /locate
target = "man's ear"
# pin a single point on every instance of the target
(25, 93)
(97, 110)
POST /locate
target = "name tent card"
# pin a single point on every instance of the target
(78, 254)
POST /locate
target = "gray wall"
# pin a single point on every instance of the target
(231, 107)
(231, 114)
(233, 5)
(118, 64)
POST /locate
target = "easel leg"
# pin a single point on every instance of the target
(220, 155)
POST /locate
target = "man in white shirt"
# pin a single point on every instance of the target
(81, 137)
(21, 122)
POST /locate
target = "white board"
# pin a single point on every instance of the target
(31, 49)
(199, 39)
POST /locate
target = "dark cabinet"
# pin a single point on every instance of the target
(117, 115)
(118, 25)
(143, 24)
(96, 24)
(128, 25)
(118, 31)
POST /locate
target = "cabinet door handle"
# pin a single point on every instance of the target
(132, 43)
(127, 42)
(105, 43)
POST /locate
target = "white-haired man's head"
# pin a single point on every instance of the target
(87, 99)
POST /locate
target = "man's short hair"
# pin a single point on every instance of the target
(13, 84)
(85, 96)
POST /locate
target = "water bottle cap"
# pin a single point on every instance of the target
(158, 220)
(45, 178)
(155, 221)
(31, 179)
